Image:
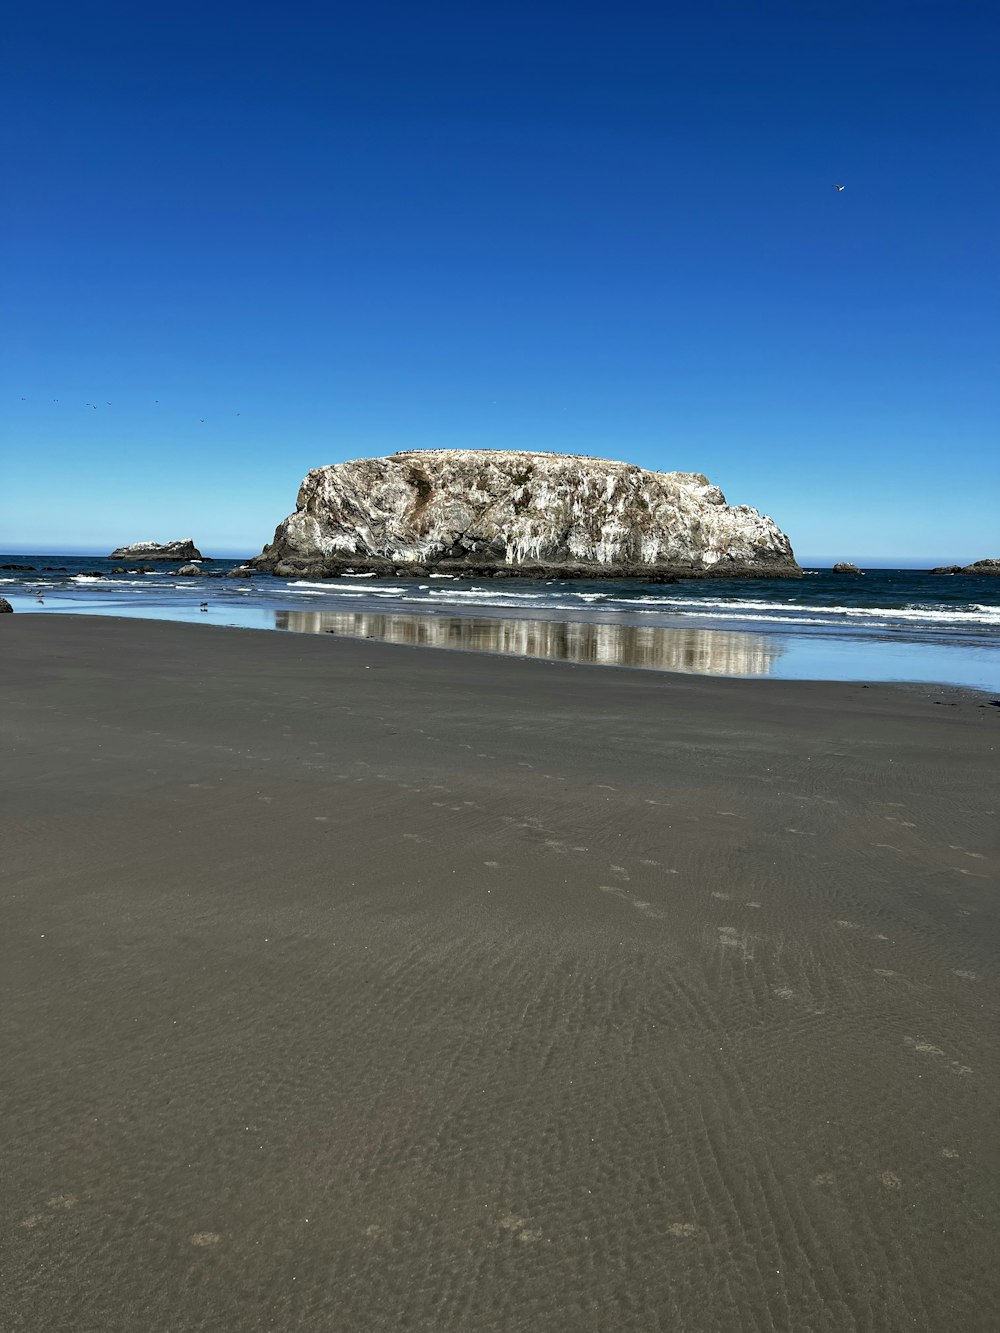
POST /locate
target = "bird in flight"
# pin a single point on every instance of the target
(839, 188)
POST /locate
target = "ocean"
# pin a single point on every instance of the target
(888, 624)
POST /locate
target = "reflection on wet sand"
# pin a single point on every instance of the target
(702, 651)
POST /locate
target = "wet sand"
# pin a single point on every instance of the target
(350, 986)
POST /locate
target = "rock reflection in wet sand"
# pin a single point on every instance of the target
(702, 651)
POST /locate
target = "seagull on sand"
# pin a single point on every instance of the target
(840, 188)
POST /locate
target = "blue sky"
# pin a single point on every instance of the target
(588, 228)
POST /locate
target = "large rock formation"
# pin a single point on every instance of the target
(978, 567)
(492, 512)
(182, 550)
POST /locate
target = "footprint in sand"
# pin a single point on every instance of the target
(950, 1153)
(723, 897)
(205, 1238)
(492, 865)
(921, 1047)
(640, 905)
(730, 938)
(684, 1230)
(890, 1181)
(519, 1229)
(965, 974)
(824, 1179)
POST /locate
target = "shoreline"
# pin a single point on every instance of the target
(721, 650)
(353, 985)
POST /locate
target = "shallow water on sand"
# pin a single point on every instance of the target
(901, 625)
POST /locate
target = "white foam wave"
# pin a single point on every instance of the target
(936, 614)
(473, 593)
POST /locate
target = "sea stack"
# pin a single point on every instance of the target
(180, 550)
(977, 567)
(495, 513)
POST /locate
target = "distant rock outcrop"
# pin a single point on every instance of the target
(845, 567)
(182, 550)
(5, 606)
(978, 567)
(495, 513)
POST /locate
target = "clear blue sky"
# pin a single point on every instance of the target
(606, 228)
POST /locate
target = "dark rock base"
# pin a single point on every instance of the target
(297, 568)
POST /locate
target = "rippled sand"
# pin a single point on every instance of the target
(359, 987)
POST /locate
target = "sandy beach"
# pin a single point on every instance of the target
(355, 986)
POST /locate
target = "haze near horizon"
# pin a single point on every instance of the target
(246, 242)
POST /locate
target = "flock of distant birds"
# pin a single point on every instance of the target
(156, 402)
(108, 403)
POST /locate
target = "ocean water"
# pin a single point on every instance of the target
(889, 624)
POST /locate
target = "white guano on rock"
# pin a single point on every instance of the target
(513, 513)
